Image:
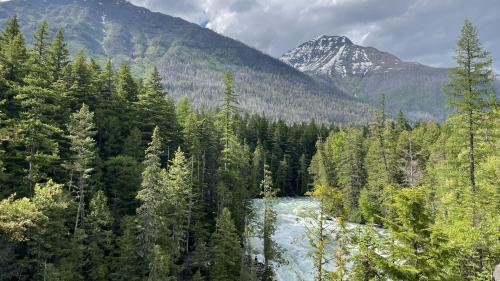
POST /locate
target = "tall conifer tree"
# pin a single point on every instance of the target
(81, 131)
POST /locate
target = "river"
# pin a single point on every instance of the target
(293, 215)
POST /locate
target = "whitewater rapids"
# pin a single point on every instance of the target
(293, 215)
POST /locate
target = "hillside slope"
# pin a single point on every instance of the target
(191, 58)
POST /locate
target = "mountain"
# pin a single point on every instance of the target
(191, 58)
(367, 73)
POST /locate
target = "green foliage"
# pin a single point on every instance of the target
(413, 180)
(121, 176)
(100, 237)
(37, 129)
(198, 277)
(58, 56)
(155, 107)
(36, 225)
(179, 193)
(126, 87)
(414, 254)
(320, 168)
(226, 123)
(351, 171)
(17, 217)
(226, 249)
(128, 265)
(329, 203)
(272, 252)
(82, 145)
(14, 55)
(149, 210)
(470, 88)
(366, 261)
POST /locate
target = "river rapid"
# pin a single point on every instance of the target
(293, 218)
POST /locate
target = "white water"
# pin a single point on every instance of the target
(293, 216)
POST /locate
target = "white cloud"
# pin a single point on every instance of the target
(416, 30)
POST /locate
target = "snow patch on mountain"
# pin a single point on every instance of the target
(103, 22)
(337, 56)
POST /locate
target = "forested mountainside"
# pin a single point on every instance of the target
(104, 177)
(190, 58)
(367, 73)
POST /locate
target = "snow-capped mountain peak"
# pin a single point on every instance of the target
(332, 39)
(338, 56)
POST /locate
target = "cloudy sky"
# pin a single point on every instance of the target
(415, 30)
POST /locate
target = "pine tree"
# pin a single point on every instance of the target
(156, 225)
(198, 277)
(20, 215)
(126, 87)
(148, 212)
(108, 82)
(156, 108)
(58, 56)
(50, 242)
(272, 252)
(13, 53)
(466, 218)
(180, 195)
(36, 128)
(366, 261)
(329, 204)
(401, 122)
(113, 118)
(128, 264)
(282, 180)
(226, 122)
(319, 167)
(200, 257)
(410, 167)
(303, 175)
(38, 224)
(39, 54)
(81, 132)
(351, 172)
(469, 87)
(132, 145)
(100, 237)
(39, 104)
(78, 81)
(226, 249)
(465, 214)
(234, 157)
(379, 127)
(413, 254)
(258, 163)
(341, 255)
(122, 178)
(379, 173)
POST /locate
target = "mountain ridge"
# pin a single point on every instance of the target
(191, 58)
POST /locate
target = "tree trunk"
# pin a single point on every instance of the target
(471, 153)
(80, 203)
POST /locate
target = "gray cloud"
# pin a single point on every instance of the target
(415, 30)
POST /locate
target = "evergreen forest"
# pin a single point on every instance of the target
(103, 176)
